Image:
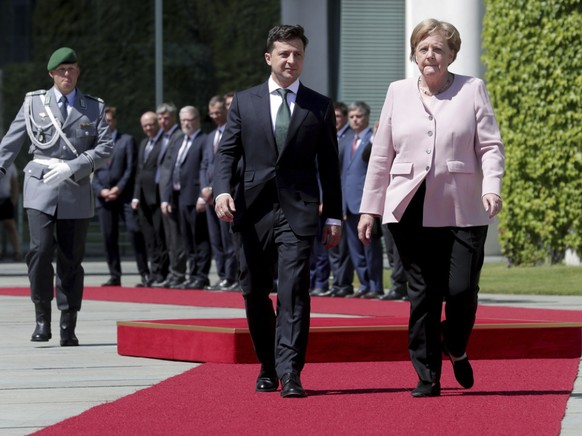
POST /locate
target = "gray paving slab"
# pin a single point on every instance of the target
(42, 383)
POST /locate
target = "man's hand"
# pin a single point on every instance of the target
(206, 194)
(365, 228)
(58, 172)
(135, 204)
(331, 235)
(166, 208)
(224, 207)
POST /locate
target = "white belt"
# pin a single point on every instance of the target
(48, 160)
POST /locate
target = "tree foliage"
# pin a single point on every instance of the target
(533, 59)
(209, 47)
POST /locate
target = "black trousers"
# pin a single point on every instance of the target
(67, 238)
(280, 340)
(110, 214)
(443, 264)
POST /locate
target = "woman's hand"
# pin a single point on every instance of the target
(365, 228)
(492, 204)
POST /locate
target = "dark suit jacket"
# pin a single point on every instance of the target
(146, 188)
(119, 170)
(189, 171)
(165, 158)
(353, 170)
(311, 146)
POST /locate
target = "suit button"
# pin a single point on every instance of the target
(430, 117)
(427, 168)
(428, 151)
(429, 133)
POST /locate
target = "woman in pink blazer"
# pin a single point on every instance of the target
(435, 177)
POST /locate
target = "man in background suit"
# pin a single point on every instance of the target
(340, 263)
(367, 260)
(113, 185)
(223, 248)
(146, 198)
(285, 134)
(69, 139)
(181, 197)
(167, 118)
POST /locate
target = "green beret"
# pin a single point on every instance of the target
(63, 55)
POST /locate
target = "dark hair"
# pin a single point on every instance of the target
(285, 32)
(111, 110)
(342, 107)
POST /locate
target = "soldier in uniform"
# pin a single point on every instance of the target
(69, 138)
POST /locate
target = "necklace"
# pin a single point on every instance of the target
(426, 91)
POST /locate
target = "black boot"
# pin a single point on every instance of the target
(68, 324)
(42, 332)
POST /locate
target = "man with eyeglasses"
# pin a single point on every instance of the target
(70, 138)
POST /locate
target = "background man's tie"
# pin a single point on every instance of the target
(282, 120)
(63, 101)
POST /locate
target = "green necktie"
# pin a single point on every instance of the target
(282, 120)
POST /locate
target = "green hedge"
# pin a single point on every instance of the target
(532, 51)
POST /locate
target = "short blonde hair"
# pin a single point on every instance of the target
(430, 26)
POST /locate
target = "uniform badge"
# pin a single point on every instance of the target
(42, 114)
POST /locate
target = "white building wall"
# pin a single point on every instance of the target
(312, 15)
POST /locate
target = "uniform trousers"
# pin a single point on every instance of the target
(443, 264)
(280, 340)
(67, 238)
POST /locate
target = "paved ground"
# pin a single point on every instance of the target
(42, 383)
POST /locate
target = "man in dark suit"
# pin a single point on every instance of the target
(146, 197)
(223, 245)
(367, 260)
(181, 197)
(285, 133)
(113, 186)
(339, 261)
(167, 118)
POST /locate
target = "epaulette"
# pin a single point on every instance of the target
(38, 92)
(95, 98)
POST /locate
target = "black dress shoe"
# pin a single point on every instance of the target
(318, 292)
(146, 282)
(233, 286)
(291, 386)
(195, 284)
(393, 295)
(341, 292)
(113, 281)
(223, 285)
(267, 381)
(427, 389)
(462, 369)
(363, 294)
(176, 283)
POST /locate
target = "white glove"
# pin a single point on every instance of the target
(58, 172)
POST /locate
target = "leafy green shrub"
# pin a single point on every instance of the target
(534, 63)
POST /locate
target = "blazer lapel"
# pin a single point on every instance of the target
(262, 104)
(298, 116)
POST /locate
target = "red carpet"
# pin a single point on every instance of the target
(515, 397)
(338, 306)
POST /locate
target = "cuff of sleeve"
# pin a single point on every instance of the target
(333, 222)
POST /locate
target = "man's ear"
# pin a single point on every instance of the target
(268, 58)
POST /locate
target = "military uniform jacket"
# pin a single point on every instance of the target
(89, 135)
